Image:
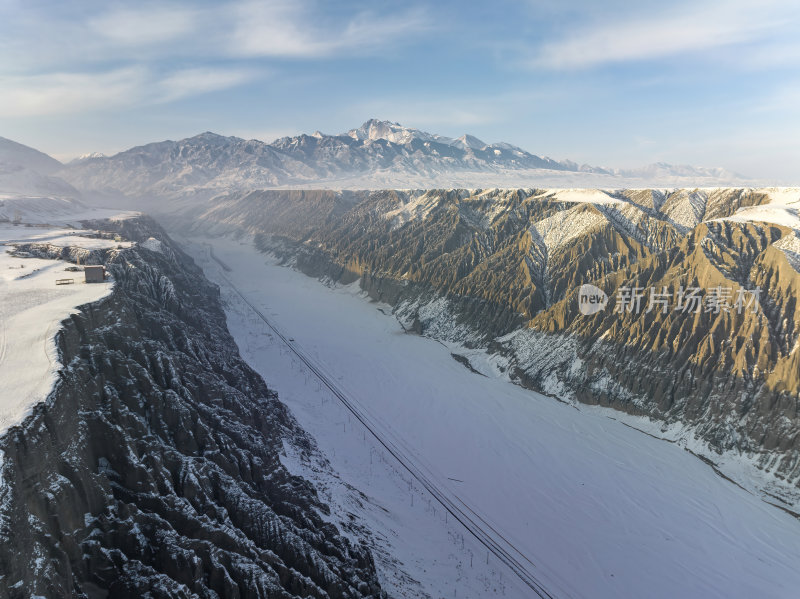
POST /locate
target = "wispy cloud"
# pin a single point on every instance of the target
(63, 93)
(289, 29)
(194, 81)
(95, 56)
(242, 29)
(66, 92)
(696, 28)
(144, 25)
(35, 40)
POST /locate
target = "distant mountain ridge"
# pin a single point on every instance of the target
(17, 154)
(378, 154)
(26, 171)
(374, 129)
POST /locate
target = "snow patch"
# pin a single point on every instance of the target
(785, 216)
(782, 208)
(152, 244)
(582, 196)
(783, 196)
(418, 207)
(687, 208)
(790, 246)
(558, 230)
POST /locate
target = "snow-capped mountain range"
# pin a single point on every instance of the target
(378, 154)
(374, 129)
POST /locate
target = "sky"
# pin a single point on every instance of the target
(613, 83)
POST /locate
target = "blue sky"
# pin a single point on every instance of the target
(710, 83)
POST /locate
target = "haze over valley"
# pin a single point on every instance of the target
(399, 300)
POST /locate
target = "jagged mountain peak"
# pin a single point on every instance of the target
(468, 141)
(90, 156)
(211, 137)
(375, 129)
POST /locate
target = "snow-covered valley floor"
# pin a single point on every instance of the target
(601, 509)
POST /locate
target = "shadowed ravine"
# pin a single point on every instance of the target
(153, 468)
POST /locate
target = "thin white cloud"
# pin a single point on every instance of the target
(93, 59)
(35, 40)
(195, 81)
(79, 39)
(290, 29)
(66, 93)
(63, 93)
(145, 25)
(696, 28)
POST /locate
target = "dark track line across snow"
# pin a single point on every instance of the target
(485, 534)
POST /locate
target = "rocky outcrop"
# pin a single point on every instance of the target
(153, 468)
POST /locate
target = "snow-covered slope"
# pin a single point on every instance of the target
(15, 179)
(13, 153)
(781, 209)
(49, 210)
(561, 228)
(601, 509)
(375, 129)
(24, 170)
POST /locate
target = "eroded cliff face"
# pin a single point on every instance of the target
(153, 468)
(501, 269)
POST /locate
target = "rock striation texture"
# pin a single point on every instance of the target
(153, 468)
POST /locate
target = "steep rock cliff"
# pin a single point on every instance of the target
(153, 468)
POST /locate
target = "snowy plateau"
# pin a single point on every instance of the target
(31, 303)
